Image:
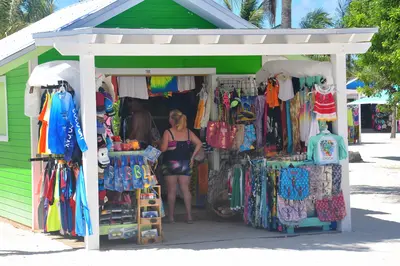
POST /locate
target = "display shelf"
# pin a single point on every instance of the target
(310, 222)
(105, 229)
(150, 202)
(153, 223)
(150, 221)
(122, 153)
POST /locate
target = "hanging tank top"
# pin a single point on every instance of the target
(182, 149)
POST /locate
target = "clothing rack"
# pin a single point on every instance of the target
(47, 158)
(54, 87)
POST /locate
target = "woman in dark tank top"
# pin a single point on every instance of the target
(178, 160)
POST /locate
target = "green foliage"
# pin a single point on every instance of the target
(254, 11)
(379, 67)
(17, 14)
(317, 19)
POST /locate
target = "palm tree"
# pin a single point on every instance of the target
(317, 19)
(256, 11)
(17, 14)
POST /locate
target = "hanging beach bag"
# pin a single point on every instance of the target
(291, 212)
(212, 133)
(294, 184)
(109, 176)
(331, 209)
(118, 176)
(239, 136)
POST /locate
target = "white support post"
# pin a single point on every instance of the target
(35, 166)
(214, 117)
(88, 114)
(340, 128)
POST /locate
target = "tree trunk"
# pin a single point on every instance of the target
(394, 124)
(286, 14)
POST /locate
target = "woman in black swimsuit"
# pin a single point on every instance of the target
(178, 160)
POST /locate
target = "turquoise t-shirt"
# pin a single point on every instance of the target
(326, 149)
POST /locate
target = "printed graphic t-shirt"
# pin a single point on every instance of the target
(326, 149)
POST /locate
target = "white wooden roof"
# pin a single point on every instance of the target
(98, 41)
(91, 13)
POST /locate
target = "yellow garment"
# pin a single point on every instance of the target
(53, 216)
(350, 119)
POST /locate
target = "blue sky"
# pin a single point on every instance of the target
(300, 8)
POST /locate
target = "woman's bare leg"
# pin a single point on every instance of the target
(184, 182)
(171, 186)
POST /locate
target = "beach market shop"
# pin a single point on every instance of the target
(108, 38)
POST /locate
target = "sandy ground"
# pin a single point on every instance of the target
(375, 238)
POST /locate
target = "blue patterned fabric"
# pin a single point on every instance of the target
(294, 184)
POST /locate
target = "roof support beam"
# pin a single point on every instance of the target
(208, 50)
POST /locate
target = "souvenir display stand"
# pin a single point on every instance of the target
(281, 170)
(309, 222)
(149, 226)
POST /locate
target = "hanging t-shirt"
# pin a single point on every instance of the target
(285, 88)
(326, 148)
(134, 87)
(186, 83)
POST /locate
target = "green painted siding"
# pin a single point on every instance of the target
(223, 64)
(3, 108)
(157, 14)
(15, 170)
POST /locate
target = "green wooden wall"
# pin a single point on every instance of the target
(15, 170)
(157, 14)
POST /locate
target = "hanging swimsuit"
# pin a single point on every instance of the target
(177, 161)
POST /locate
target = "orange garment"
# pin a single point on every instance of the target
(200, 113)
(271, 93)
(43, 130)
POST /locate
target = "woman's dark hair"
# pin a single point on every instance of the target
(140, 127)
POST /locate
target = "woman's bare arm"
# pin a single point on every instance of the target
(197, 142)
(164, 141)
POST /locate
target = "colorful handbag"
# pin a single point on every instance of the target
(331, 209)
(294, 184)
(212, 133)
(219, 135)
(239, 137)
(118, 176)
(291, 212)
(109, 176)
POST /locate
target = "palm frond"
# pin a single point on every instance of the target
(317, 19)
(231, 4)
(270, 7)
(247, 8)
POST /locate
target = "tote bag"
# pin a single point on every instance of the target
(294, 184)
(331, 209)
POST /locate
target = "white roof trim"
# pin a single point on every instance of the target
(103, 15)
(174, 42)
(216, 14)
(352, 35)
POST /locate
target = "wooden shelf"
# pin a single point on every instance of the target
(150, 221)
(150, 202)
(153, 223)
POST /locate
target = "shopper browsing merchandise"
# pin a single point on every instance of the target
(178, 160)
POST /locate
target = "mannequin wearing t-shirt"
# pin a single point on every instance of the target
(326, 148)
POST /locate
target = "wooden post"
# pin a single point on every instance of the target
(89, 160)
(340, 128)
